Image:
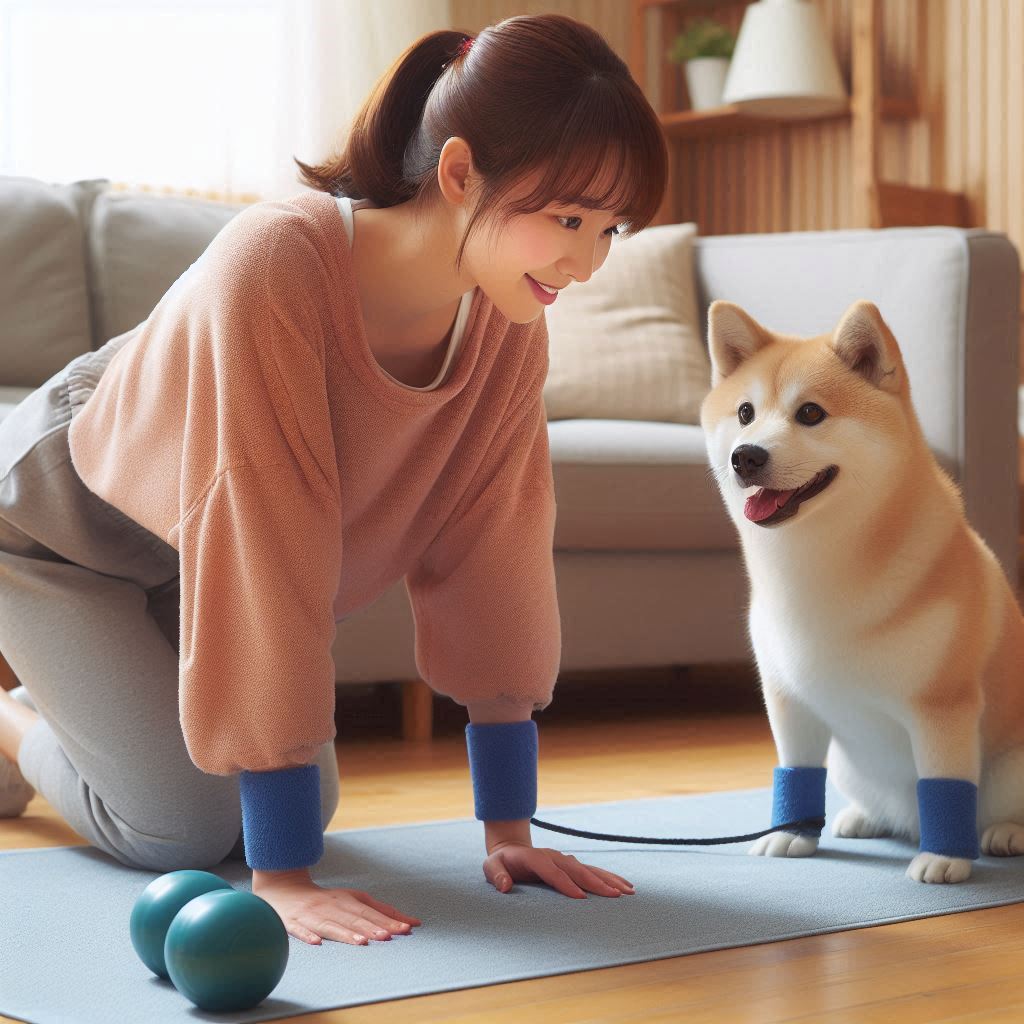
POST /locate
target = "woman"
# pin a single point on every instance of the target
(343, 391)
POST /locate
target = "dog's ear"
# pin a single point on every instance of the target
(865, 344)
(733, 336)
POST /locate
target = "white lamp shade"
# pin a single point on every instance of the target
(783, 64)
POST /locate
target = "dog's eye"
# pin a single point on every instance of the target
(746, 413)
(809, 414)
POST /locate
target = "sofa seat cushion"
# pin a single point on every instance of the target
(635, 485)
(619, 485)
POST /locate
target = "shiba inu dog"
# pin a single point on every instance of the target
(886, 635)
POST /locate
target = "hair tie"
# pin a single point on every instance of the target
(464, 48)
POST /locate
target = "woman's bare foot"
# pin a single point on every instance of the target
(15, 720)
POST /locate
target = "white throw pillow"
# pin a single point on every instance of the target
(627, 344)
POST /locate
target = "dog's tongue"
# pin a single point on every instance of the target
(764, 502)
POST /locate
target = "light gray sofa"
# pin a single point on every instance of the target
(648, 564)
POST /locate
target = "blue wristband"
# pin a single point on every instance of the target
(282, 818)
(949, 817)
(798, 793)
(503, 765)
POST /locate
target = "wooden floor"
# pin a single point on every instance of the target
(645, 735)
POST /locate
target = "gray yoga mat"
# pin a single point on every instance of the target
(65, 953)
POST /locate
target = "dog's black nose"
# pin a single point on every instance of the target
(747, 459)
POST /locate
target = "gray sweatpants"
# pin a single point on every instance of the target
(89, 603)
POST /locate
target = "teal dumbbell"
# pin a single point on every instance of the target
(222, 949)
(226, 950)
(156, 908)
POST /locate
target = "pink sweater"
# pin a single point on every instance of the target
(247, 423)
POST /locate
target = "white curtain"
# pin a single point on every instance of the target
(212, 97)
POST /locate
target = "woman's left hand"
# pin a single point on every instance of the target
(517, 862)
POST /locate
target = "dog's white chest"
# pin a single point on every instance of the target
(829, 654)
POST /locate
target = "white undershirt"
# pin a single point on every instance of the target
(346, 205)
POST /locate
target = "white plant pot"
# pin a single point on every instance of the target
(705, 81)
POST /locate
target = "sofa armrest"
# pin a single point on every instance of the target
(952, 299)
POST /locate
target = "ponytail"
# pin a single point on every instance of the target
(373, 163)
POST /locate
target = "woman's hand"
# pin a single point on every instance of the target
(312, 913)
(520, 862)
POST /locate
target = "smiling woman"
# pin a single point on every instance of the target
(248, 461)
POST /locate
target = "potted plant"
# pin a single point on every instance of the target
(704, 49)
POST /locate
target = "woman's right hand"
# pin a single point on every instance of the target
(312, 912)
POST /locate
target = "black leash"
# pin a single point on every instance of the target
(789, 826)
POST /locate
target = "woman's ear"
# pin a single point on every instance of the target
(733, 336)
(455, 172)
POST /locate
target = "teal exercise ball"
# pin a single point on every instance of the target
(226, 950)
(157, 907)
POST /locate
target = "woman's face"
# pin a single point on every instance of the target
(556, 246)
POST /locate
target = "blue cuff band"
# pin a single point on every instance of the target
(282, 819)
(503, 764)
(798, 793)
(949, 817)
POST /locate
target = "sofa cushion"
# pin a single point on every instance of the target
(44, 292)
(627, 344)
(139, 245)
(625, 485)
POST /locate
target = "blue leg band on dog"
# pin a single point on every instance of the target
(503, 765)
(798, 793)
(282, 818)
(949, 817)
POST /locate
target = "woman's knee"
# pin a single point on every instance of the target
(196, 852)
(199, 839)
(215, 835)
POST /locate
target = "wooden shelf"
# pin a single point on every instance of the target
(876, 203)
(730, 120)
(703, 124)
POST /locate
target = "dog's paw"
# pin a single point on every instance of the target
(784, 844)
(1004, 839)
(853, 823)
(934, 867)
